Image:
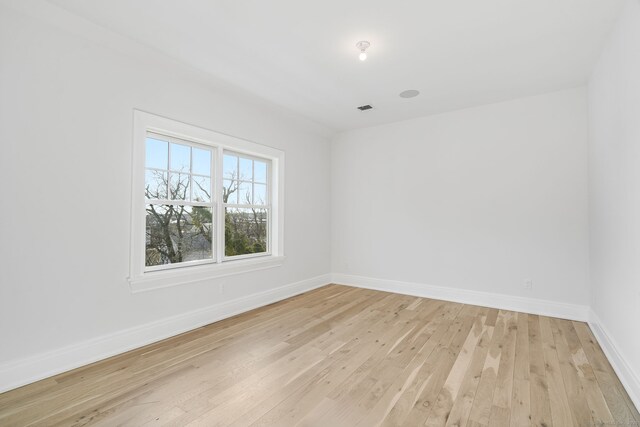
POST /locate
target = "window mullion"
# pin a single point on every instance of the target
(177, 203)
(253, 182)
(169, 170)
(219, 229)
(190, 173)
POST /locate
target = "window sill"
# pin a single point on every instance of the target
(180, 276)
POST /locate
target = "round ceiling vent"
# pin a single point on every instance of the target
(411, 93)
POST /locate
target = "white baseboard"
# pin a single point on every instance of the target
(17, 373)
(485, 299)
(629, 378)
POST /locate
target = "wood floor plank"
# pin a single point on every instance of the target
(558, 400)
(342, 356)
(600, 412)
(481, 407)
(461, 408)
(501, 408)
(575, 392)
(443, 360)
(520, 397)
(492, 316)
(449, 392)
(538, 386)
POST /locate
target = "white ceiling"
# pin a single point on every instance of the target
(301, 54)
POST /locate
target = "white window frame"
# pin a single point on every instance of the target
(267, 206)
(142, 278)
(170, 139)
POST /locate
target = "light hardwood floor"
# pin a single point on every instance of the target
(341, 356)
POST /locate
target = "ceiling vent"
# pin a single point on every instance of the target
(365, 107)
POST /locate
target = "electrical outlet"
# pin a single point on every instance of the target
(221, 288)
(528, 284)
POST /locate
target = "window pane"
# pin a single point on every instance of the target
(230, 191)
(176, 234)
(245, 231)
(260, 171)
(230, 167)
(180, 157)
(244, 193)
(155, 184)
(156, 153)
(201, 189)
(201, 161)
(259, 194)
(246, 169)
(179, 186)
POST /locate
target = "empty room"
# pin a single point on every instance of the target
(320, 213)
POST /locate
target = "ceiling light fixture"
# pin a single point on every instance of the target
(363, 46)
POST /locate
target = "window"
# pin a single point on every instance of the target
(179, 203)
(245, 196)
(204, 204)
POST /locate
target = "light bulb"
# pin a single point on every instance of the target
(362, 47)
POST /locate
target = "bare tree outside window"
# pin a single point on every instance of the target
(245, 198)
(179, 215)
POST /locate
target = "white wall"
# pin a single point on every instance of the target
(614, 196)
(66, 111)
(478, 199)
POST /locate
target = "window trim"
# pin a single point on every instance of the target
(142, 279)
